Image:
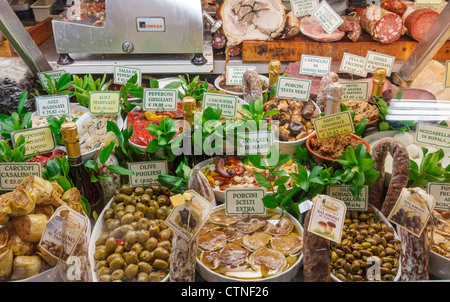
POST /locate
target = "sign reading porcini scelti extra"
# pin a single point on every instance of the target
(335, 124)
(244, 201)
(40, 140)
(327, 217)
(104, 102)
(12, 174)
(146, 173)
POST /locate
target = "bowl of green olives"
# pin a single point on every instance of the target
(130, 241)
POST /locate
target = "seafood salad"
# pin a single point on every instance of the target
(229, 172)
(93, 133)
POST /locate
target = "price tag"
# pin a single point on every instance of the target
(177, 200)
(327, 17)
(342, 192)
(187, 219)
(412, 210)
(255, 142)
(244, 201)
(356, 91)
(228, 103)
(123, 73)
(234, 74)
(327, 217)
(376, 60)
(40, 139)
(429, 2)
(302, 8)
(441, 193)
(52, 105)
(293, 88)
(146, 172)
(305, 206)
(315, 65)
(11, 174)
(65, 223)
(53, 74)
(447, 74)
(157, 99)
(104, 102)
(336, 124)
(353, 64)
(433, 135)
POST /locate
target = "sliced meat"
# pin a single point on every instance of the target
(419, 22)
(352, 27)
(395, 6)
(383, 25)
(292, 27)
(312, 29)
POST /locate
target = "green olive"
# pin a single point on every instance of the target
(140, 207)
(105, 278)
(120, 249)
(119, 207)
(113, 224)
(119, 214)
(112, 257)
(119, 197)
(145, 256)
(154, 277)
(145, 199)
(139, 191)
(103, 271)
(149, 191)
(161, 253)
(110, 245)
(116, 263)
(131, 271)
(117, 233)
(165, 244)
(100, 254)
(138, 215)
(142, 277)
(143, 223)
(160, 214)
(145, 267)
(156, 189)
(165, 234)
(109, 213)
(126, 228)
(137, 247)
(160, 264)
(118, 275)
(131, 237)
(151, 244)
(151, 212)
(131, 257)
(127, 218)
(100, 264)
(101, 240)
(127, 189)
(127, 200)
(153, 230)
(142, 236)
(130, 209)
(162, 200)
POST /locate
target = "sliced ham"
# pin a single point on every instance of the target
(312, 29)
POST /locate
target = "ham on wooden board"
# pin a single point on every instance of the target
(311, 28)
(384, 26)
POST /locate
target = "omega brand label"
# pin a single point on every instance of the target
(146, 173)
(234, 74)
(353, 64)
(376, 60)
(52, 105)
(302, 8)
(160, 99)
(104, 102)
(123, 73)
(11, 174)
(244, 201)
(433, 135)
(315, 65)
(342, 192)
(327, 17)
(293, 88)
(335, 124)
(157, 24)
(228, 103)
(40, 140)
(357, 91)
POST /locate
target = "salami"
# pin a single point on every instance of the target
(415, 255)
(218, 40)
(383, 25)
(352, 27)
(316, 256)
(252, 88)
(419, 22)
(395, 6)
(400, 173)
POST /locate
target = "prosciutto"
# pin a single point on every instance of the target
(312, 29)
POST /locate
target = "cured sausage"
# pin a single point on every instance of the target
(316, 255)
(252, 88)
(400, 173)
(419, 22)
(383, 25)
(352, 27)
(395, 6)
(415, 255)
(218, 40)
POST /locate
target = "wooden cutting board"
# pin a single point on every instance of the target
(292, 49)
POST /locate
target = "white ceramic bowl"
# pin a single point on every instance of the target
(439, 266)
(73, 106)
(98, 227)
(219, 78)
(384, 219)
(285, 276)
(86, 118)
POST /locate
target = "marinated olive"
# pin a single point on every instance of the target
(118, 275)
(110, 245)
(127, 218)
(131, 271)
(142, 236)
(116, 263)
(126, 189)
(103, 271)
(109, 213)
(142, 277)
(165, 234)
(151, 244)
(137, 247)
(145, 256)
(161, 253)
(145, 267)
(101, 240)
(160, 264)
(139, 191)
(105, 278)
(130, 209)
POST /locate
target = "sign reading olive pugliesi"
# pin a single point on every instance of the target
(146, 173)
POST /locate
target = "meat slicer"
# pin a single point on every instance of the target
(133, 27)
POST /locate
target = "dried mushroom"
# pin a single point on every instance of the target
(269, 261)
(250, 224)
(256, 241)
(279, 226)
(212, 241)
(287, 244)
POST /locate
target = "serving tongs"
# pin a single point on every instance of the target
(418, 110)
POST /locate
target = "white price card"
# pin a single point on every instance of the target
(228, 103)
(356, 91)
(342, 192)
(11, 174)
(315, 65)
(429, 2)
(244, 201)
(441, 193)
(160, 99)
(433, 135)
(302, 8)
(104, 102)
(254, 142)
(353, 64)
(39, 139)
(234, 74)
(293, 88)
(53, 74)
(146, 173)
(376, 60)
(327, 17)
(52, 105)
(123, 73)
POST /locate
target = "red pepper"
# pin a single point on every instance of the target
(220, 178)
(223, 186)
(238, 169)
(120, 241)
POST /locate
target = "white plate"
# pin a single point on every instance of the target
(86, 118)
(94, 236)
(439, 266)
(382, 218)
(285, 276)
(219, 78)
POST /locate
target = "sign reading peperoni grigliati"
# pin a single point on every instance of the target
(11, 174)
(160, 99)
(147, 172)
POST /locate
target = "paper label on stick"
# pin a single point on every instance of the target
(447, 74)
(412, 210)
(52, 105)
(342, 192)
(327, 217)
(429, 2)
(228, 103)
(433, 135)
(293, 88)
(160, 99)
(255, 142)
(356, 91)
(336, 124)
(302, 8)
(104, 102)
(234, 74)
(123, 73)
(40, 139)
(315, 65)
(376, 60)
(53, 74)
(146, 172)
(441, 193)
(244, 201)
(11, 174)
(187, 219)
(327, 17)
(353, 64)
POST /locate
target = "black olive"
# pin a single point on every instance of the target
(296, 127)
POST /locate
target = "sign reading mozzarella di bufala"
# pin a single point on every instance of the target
(40, 139)
(342, 192)
(335, 124)
(228, 103)
(293, 88)
(441, 193)
(315, 65)
(255, 142)
(123, 73)
(11, 174)
(146, 173)
(244, 201)
(52, 105)
(104, 102)
(234, 74)
(160, 99)
(433, 135)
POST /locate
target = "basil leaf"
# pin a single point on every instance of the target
(262, 180)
